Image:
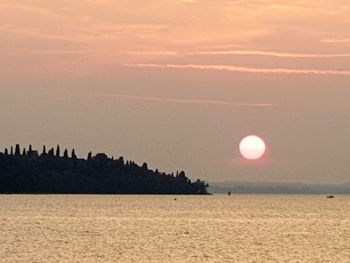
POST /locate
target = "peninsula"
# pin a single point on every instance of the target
(50, 172)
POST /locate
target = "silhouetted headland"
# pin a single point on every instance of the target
(28, 172)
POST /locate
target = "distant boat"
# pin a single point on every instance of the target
(228, 193)
(330, 196)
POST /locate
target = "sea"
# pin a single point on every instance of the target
(146, 228)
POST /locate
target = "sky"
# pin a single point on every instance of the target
(178, 83)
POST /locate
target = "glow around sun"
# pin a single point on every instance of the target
(252, 147)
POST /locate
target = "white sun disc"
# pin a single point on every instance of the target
(252, 147)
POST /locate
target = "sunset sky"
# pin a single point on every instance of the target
(178, 83)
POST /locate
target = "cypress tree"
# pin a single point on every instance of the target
(30, 151)
(58, 151)
(65, 154)
(74, 156)
(89, 156)
(44, 150)
(24, 152)
(11, 150)
(18, 150)
(6, 152)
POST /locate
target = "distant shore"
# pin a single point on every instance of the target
(277, 188)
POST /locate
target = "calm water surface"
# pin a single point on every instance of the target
(242, 228)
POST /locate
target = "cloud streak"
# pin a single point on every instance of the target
(152, 53)
(336, 41)
(185, 101)
(269, 54)
(231, 68)
(58, 52)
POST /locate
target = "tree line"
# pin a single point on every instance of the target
(53, 172)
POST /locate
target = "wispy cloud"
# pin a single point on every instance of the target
(269, 54)
(185, 101)
(152, 53)
(336, 41)
(40, 34)
(231, 68)
(58, 52)
(108, 33)
(189, 1)
(28, 8)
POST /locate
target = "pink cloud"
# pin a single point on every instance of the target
(231, 68)
(269, 54)
(336, 41)
(186, 101)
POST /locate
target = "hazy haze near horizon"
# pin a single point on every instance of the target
(178, 83)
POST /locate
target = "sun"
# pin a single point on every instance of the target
(252, 147)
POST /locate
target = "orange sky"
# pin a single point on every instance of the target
(59, 36)
(178, 82)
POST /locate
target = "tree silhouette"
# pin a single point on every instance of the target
(182, 174)
(74, 156)
(44, 150)
(17, 150)
(58, 152)
(99, 174)
(30, 151)
(51, 152)
(145, 166)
